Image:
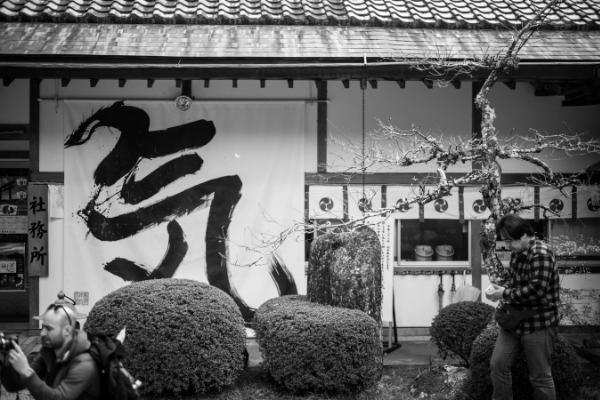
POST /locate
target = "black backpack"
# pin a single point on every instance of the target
(116, 382)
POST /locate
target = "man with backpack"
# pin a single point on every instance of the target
(63, 369)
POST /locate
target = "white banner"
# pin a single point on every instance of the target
(560, 205)
(325, 202)
(361, 202)
(588, 201)
(443, 208)
(523, 195)
(152, 191)
(475, 207)
(397, 196)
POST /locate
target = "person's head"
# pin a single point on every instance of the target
(58, 326)
(515, 231)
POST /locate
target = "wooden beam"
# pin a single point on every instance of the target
(582, 94)
(34, 300)
(7, 81)
(262, 83)
(47, 177)
(34, 125)
(512, 85)
(122, 82)
(322, 127)
(206, 83)
(548, 88)
(52, 67)
(14, 154)
(373, 83)
(150, 82)
(177, 83)
(234, 82)
(12, 164)
(14, 132)
(346, 83)
(93, 82)
(186, 89)
(64, 82)
(476, 269)
(401, 178)
(290, 83)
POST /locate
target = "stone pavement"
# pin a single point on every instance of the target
(417, 351)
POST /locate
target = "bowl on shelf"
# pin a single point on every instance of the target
(423, 252)
(444, 252)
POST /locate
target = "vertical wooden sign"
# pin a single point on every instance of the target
(37, 230)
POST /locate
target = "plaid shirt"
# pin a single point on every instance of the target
(534, 284)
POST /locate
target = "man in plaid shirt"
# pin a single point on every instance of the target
(533, 285)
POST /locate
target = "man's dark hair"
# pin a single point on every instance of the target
(512, 226)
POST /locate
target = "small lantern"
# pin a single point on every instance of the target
(183, 103)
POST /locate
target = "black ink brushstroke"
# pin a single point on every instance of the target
(282, 277)
(122, 226)
(135, 141)
(133, 192)
(126, 269)
(217, 227)
(176, 251)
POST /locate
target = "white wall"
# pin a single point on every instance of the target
(519, 110)
(14, 102)
(438, 111)
(417, 300)
(52, 136)
(446, 112)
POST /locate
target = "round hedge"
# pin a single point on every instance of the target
(309, 347)
(344, 270)
(566, 369)
(183, 336)
(457, 325)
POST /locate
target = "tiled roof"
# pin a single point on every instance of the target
(400, 13)
(277, 42)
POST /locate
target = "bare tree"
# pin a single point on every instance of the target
(402, 148)
(484, 151)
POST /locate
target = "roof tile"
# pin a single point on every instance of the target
(281, 41)
(401, 13)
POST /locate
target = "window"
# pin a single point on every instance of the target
(433, 240)
(12, 265)
(578, 239)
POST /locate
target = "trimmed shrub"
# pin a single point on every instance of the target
(344, 270)
(566, 370)
(183, 336)
(457, 325)
(309, 347)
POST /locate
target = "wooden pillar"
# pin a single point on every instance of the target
(33, 287)
(475, 253)
(322, 127)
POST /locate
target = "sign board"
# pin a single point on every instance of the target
(37, 230)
